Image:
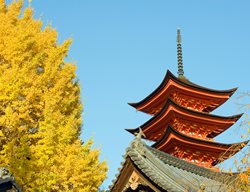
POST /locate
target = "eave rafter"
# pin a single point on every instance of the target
(190, 122)
(183, 92)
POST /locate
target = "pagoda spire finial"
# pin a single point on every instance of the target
(179, 54)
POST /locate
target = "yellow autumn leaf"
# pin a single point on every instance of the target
(1, 134)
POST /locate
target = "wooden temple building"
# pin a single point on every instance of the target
(7, 181)
(184, 152)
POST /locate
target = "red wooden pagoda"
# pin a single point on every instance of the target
(182, 124)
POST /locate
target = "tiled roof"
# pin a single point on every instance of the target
(173, 174)
(7, 181)
(7, 184)
(185, 82)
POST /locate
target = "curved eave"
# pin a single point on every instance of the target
(170, 131)
(185, 110)
(184, 82)
(210, 144)
(158, 89)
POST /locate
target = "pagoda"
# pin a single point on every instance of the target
(183, 131)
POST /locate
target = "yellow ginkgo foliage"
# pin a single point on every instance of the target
(40, 109)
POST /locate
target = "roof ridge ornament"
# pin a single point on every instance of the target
(179, 54)
(140, 134)
(137, 142)
(4, 173)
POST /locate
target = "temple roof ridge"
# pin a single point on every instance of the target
(168, 172)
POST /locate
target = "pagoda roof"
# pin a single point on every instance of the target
(197, 147)
(155, 127)
(8, 184)
(158, 97)
(166, 172)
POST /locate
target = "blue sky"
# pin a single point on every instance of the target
(123, 48)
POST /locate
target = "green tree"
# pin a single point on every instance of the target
(40, 108)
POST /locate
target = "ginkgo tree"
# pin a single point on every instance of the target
(40, 108)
